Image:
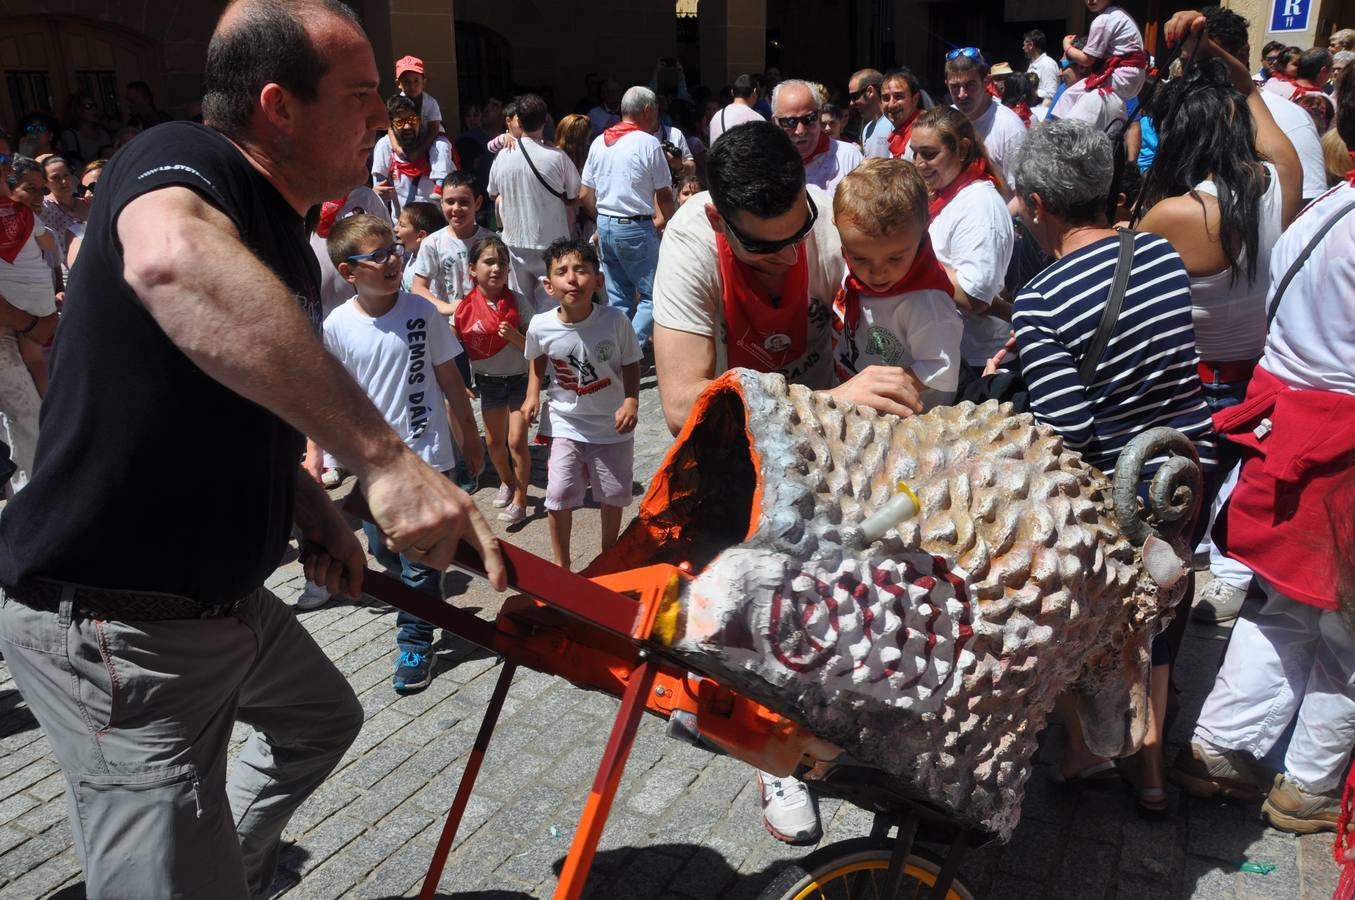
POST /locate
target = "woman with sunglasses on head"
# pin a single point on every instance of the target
(84, 136)
(971, 229)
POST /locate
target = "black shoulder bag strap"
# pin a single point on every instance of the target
(1111, 313)
(559, 195)
(1303, 258)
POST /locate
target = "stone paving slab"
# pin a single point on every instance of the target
(685, 823)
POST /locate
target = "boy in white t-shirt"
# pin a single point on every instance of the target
(417, 221)
(397, 347)
(442, 269)
(895, 306)
(1114, 51)
(594, 361)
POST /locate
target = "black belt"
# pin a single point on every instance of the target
(627, 220)
(111, 605)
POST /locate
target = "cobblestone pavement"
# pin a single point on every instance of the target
(685, 822)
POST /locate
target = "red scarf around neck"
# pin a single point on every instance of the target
(477, 322)
(762, 335)
(329, 212)
(820, 148)
(415, 170)
(16, 226)
(900, 136)
(977, 171)
(618, 131)
(925, 274)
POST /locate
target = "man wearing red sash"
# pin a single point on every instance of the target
(746, 278)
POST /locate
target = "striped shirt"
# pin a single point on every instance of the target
(1147, 375)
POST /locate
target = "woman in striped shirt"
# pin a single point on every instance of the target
(1147, 375)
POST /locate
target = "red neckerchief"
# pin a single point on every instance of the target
(820, 148)
(618, 131)
(759, 335)
(1023, 110)
(1350, 173)
(477, 322)
(16, 226)
(1135, 59)
(925, 274)
(900, 136)
(977, 171)
(329, 211)
(993, 91)
(414, 170)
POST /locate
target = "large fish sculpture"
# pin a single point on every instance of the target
(917, 591)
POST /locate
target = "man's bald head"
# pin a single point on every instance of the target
(261, 42)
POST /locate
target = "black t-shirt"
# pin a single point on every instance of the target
(150, 475)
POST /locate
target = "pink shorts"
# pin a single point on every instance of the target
(574, 464)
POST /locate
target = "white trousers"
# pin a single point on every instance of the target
(19, 404)
(1289, 659)
(1224, 568)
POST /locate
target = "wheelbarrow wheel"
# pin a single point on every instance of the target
(858, 868)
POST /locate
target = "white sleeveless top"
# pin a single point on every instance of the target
(1230, 315)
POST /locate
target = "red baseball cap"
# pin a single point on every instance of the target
(408, 64)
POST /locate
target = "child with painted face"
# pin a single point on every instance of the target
(593, 359)
(399, 349)
(894, 307)
(489, 324)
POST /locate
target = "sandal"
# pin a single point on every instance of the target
(1096, 775)
(1152, 803)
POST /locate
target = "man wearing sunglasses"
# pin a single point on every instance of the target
(863, 92)
(795, 108)
(402, 176)
(746, 279)
(1001, 129)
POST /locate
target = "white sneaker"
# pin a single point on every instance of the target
(313, 596)
(788, 810)
(331, 478)
(1218, 602)
(503, 497)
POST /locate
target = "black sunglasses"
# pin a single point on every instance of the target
(858, 93)
(788, 123)
(766, 248)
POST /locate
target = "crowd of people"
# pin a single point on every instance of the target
(896, 248)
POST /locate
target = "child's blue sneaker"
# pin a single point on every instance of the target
(413, 672)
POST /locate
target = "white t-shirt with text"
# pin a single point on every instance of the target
(584, 362)
(393, 357)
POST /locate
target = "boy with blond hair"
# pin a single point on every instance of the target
(895, 306)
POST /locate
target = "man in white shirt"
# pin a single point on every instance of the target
(1001, 129)
(747, 92)
(625, 179)
(795, 108)
(1033, 45)
(863, 91)
(536, 187)
(400, 178)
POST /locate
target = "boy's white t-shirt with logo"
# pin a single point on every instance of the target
(444, 259)
(393, 357)
(584, 361)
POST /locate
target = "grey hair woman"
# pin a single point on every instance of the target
(1146, 376)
